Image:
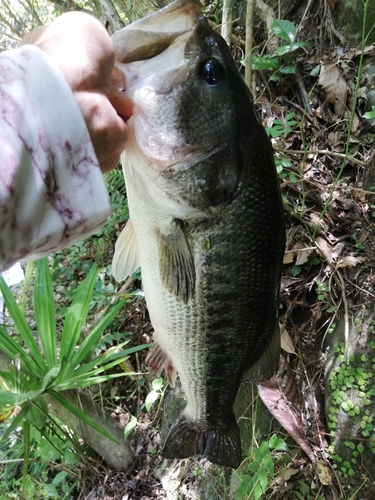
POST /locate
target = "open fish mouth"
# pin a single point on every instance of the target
(146, 38)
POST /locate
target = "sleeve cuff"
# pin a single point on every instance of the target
(52, 191)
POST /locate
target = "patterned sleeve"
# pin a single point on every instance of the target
(52, 192)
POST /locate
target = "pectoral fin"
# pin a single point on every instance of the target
(126, 258)
(175, 261)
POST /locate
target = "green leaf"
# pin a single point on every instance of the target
(38, 413)
(16, 421)
(21, 325)
(76, 316)
(89, 344)
(288, 70)
(257, 491)
(12, 349)
(129, 426)
(157, 384)
(315, 71)
(8, 399)
(60, 477)
(44, 310)
(284, 29)
(106, 357)
(263, 63)
(262, 477)
(268, 464)
(244, 487)
(370, 114)
(150, 399)
(51, 376)
(276, 443)
(26, 442)
(262, 451)
(51, 490)
(290, 47)
(65, 403)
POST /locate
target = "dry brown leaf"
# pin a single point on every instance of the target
(363, 235)
(303, 256)
(335, 86)
(289, 256)
(329, 252)
(280, 396)
(332, 4)
(350, 261)
(284, 475)
(323, 474)
(286, 341)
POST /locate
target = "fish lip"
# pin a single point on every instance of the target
(117, 95)
(153, 34)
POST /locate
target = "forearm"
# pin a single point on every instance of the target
(52, 191)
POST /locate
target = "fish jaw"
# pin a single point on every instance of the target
(153, 34)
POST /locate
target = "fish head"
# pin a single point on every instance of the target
(189, 112)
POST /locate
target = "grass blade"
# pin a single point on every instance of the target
(83, 382)
(44, 310)
(26, 447)
(76, 316)
(21, 325)
(106, 357)
(87, 347)
(12, 349)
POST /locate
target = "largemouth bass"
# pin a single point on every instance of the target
(206, 221)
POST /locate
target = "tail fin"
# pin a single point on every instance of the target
(221, 446)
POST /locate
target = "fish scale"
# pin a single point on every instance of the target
(206, 225)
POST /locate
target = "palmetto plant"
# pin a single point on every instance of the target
(44, 364)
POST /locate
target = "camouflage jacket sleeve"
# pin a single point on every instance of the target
(52, 191)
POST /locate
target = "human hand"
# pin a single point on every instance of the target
(83, 50)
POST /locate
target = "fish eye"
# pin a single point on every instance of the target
(212, 72)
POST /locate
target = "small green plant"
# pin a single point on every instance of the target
(155, 393)
(352, 394)
(323, 292)
(281, 127)
(259, 469)
(370, 115)
(51, 365)
(282, 61)
(297, 269)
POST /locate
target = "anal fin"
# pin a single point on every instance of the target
(267, 364)
(221, 445)
(158, 361)
(126, 258)
(175, 261)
